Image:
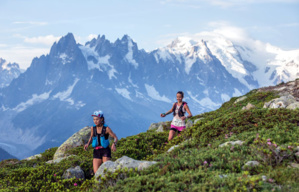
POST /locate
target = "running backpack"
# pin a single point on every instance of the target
(104, 142)
(181, 113)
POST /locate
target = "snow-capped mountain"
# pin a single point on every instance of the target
(8, 72)
(57, 94)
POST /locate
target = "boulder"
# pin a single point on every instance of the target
(293, 106)
(154, 126)
(172, 148)
(33, 157)
(160, 129)
(248, 107)
(240, 99)
(121, 163)
(238, 142)
(251, 164)
(76, 172)
(76, 140)
(189, 123)
(282, 102)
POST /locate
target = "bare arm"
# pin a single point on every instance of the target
(89, 141)
(168, 112)
(188, 111)
(110, 132)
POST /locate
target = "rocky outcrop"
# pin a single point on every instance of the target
(282, 102)
(240, 99)
(121, 163)
(154, 126)
(160, 129)
(283, 89)
(78, 139)
(293, 106)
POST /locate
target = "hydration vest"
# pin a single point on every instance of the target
(181, 113)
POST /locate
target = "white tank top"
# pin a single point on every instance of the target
(177, 121)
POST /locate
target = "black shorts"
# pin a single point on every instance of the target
(100, 153)
(175, 130)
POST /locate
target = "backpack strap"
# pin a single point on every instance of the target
(103, 130)
(180, 111)
(174, 107)
(94, 131)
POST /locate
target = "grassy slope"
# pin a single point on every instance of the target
(197, 165)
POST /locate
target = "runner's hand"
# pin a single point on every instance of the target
(113, 147)
(85, 147)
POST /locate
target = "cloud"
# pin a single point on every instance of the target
(92, 36)
(31, 23)
(46, 40)
(222, 3)
(22, 55)
(231, 3)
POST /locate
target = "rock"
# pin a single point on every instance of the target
(293, 106)
(248, 107)
(189, 123)
(294, 165)
(196, 120)
(222, 176)
(238, 142)
(121, 163)
(251, 164)
(107, 166)
(172, 148)
(154, 126)
(76, 172)
(297, 154)
(160, 129)
(128, 162)
(240, 99)
(145, 164)
(58, 160)
(34, 157)
(281, 102)
(76, 140)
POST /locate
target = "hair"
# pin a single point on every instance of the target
(103, 120)
(181, 92)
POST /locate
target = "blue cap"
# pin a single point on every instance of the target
(98, 114)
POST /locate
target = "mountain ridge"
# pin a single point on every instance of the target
(54, 96)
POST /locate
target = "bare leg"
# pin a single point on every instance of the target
(106, 159)
(96, 164)
(171, 135)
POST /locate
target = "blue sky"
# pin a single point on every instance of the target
(28, 28)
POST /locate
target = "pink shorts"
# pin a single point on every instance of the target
(178, 128)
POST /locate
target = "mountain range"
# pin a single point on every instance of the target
(57, 94)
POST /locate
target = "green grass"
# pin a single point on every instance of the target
(199, 164)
